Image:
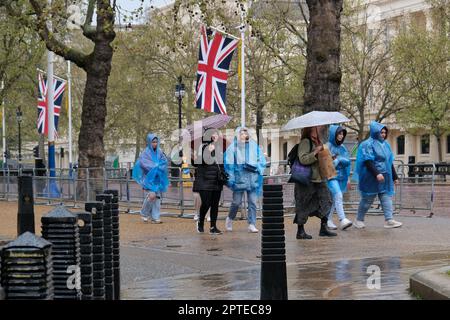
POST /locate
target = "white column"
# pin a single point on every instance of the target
(434, 152)
(275, 157)
(429, 20)
(410, 149)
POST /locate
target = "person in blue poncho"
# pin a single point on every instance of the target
(150, 172)
(338, 185)
(376, 174)
(245, 164)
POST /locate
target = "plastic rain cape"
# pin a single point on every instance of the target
(342, 162)
(236, 156)
(150, 171)
(379, 151)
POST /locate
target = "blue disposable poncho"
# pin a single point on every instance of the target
(342, 162)
(150, 171)
(379, 151)
(236, 157)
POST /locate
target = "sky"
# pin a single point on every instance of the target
(130, 5)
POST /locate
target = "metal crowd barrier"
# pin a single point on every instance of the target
(415, 192)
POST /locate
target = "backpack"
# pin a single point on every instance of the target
(293, 154)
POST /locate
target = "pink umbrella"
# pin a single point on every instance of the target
(217, 121)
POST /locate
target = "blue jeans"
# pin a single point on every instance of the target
(366, 202)
(152, 208)
(338, 200)
(237, 200)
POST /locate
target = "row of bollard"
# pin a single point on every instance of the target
(77, 257)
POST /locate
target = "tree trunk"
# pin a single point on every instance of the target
(259, 106)
(323, 72)
(138, 144)
(90, 142)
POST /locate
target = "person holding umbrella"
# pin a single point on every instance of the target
(209, 165)
(312, 196)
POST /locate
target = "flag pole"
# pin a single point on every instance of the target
(228, 34)
(69, 92)
(242, 28)
(3, 127)
(50, 107)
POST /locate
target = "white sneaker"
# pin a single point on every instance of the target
(195, 217)
(252, 228)
(228, 224)
(331, 225)
(392, 224)
(145, 219)
(359, 224)
(345, 223)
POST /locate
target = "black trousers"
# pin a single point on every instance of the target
(210, 200)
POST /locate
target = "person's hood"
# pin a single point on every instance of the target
(334, 131)
(237, 132)
(375, 130)
(150, 138)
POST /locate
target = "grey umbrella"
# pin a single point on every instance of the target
(315, 118)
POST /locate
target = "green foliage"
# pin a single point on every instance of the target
(20, 54)
(425, 55)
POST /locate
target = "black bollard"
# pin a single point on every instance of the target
(108, 243)
(60, 227)
(86, 260)
(25, 214)
(273, 253)
(116, 241)
(96, 209)
(27, 268)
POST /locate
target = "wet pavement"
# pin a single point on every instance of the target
(192, 266)
(173, 261)
(344, 279)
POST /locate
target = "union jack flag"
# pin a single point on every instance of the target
(58, 86)
(212, 74)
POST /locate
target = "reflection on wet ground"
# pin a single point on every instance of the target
(343, 279)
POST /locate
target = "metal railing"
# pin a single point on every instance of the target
(77, 186)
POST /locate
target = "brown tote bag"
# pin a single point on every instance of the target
(326, 167)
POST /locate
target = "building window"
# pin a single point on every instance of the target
(425, 144)
(448, 143)
(285, 151)
(269, 150)
(401, 144)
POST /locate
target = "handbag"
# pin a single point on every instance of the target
(222, 176)
(300, 173)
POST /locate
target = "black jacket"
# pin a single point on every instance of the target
(207, 175)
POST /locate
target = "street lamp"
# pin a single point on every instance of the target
(179, 94)
(19, 121)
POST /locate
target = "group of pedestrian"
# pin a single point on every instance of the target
(323, 196)
(241, 166)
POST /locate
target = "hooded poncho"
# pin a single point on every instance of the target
(237, 155)
(342, 162)
(379, 151)
(150, 171)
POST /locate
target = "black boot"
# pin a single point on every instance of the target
(301, 234)
(324, 230)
